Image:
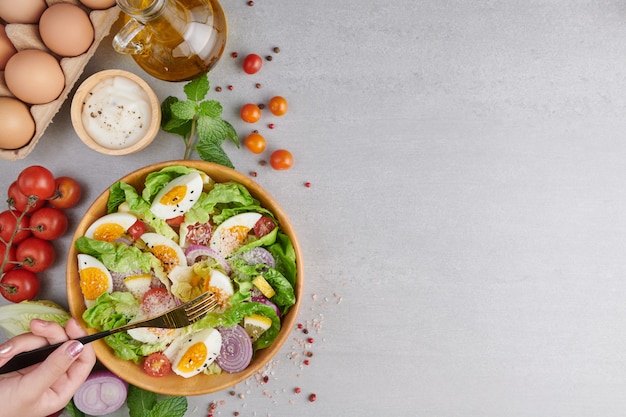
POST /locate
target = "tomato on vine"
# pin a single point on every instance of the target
(35, 254)
(21, 202)
(48, 223)
(250, 113)
(10, 228)
(36, 181)
(255, 143)
(281, 159)
(67, 193)
(8, 256)
(19, 285)
(278, 105)
(252, 63)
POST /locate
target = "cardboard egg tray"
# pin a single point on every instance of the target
(26, 36)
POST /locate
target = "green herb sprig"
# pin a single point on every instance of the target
(199, 122)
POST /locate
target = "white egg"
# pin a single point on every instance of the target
(153, 335)
(177, 196)
(110, 226)
(231, 234)
(166, 250)
(95, 278)
(220, 283)
(138, 284)
(196, 352)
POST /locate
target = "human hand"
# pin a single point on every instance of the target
(45, 388)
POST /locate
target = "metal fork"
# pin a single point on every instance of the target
(177, 317)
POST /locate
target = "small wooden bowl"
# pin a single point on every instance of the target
(77, 108)
(173, 384)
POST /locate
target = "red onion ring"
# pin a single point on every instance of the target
(193, 252)
(236, 352)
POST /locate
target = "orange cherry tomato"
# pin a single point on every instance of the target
(281, 159)
(278, 105)
(255, 143)
(250, 113)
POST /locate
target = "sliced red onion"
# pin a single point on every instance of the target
(258, 255)
(102, 393)
(124, 240)
(236, 352)
(194, 252)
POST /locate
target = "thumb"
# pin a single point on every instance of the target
(55, 366)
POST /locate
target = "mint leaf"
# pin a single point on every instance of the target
(197, 89)
(169, 407)
(212, 152)
(231, 133)
(211, 108)
(139, 401)
(212, 128)
(185, 110)
(179, 127)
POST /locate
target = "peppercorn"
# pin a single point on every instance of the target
(218, 88)
(308, 353)
(305, 331)
(261, 106)
(253, 173)
(271, 125)
(234, 54)
(300, 325)
(276, 49)
(269, 57)
(310, 340)
(258, 85)
(230, 87)
(250, 3)
(307, 184)
(312, 397)
(265, 379)
(306, 362)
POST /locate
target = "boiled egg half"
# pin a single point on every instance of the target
(196, 352)
(153, 335)
(177, 196)
(231, 234)
(111, 226)
(166, 250)
(95, 278)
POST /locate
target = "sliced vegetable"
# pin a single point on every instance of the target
(236, 352)
(263, 286)
(255, 325)
(102, 393)
(258, 255)
(157, 364)
(195, 252)
(15, 318)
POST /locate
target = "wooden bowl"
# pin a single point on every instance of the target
(173, 384)
(77, 108)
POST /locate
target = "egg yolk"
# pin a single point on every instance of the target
(166, 255)
(193, 358)
(93, 282)
(233, 237)
(174, 196)
(108, 232)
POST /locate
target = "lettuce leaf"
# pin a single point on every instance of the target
(116, 257)
(15, 318)
(285, 257)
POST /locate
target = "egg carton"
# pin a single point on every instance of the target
(26, 36)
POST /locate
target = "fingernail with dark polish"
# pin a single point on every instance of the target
(74, 349)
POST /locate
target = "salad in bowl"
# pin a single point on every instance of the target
(160, 237)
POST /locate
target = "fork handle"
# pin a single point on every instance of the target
(32, 357)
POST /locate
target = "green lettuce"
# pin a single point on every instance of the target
(285, 257)
(155, 181)
(15, 318)
(116, 257)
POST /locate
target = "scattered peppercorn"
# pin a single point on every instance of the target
(300, 325)
(269, 57)
(297, 390)
(234, 54)
(309, 353)
(232, 393)
(262, 162)
(230, 87)
(306, 362)
(255, 131)
(265, 379)
(271, 125)
(276, 49)
(310, 340)
(236, 413)
(261, 106)
(250, 3)
(307, 184)
(218, 88)
(253, 173)
(312, 397)
(258, 85)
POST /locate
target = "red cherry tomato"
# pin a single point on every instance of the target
(35, 254)
(19, 285)
(157, 364)
(175, 221)
(252, 63)
(22, 203)
(8, 226)
(137, 229)
(250, 113)
(67, 193)
(48, 223)
(255, 143)
(278, 106)
(263, 226)
(10, 257)
(36, 181)
(281, 159)
(156, 301)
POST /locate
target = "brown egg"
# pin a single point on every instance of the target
(17, 123)
(22, 11)
(66, 29)
(98, 4)
(7, 50)
(34, 76)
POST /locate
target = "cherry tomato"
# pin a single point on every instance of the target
(156, 301)
(67, 193)
(36, 181)
(19, 285)
(255, 143)
(157, 364)
(263, 226)
(137, 229)
(278, 106)
(175, 221)
(8, 224)
(35, 254)
(281, 159)
(252, 63)
(198, 234)
(48, 223)
(250, 113)
(10, 257)
(22, 203)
